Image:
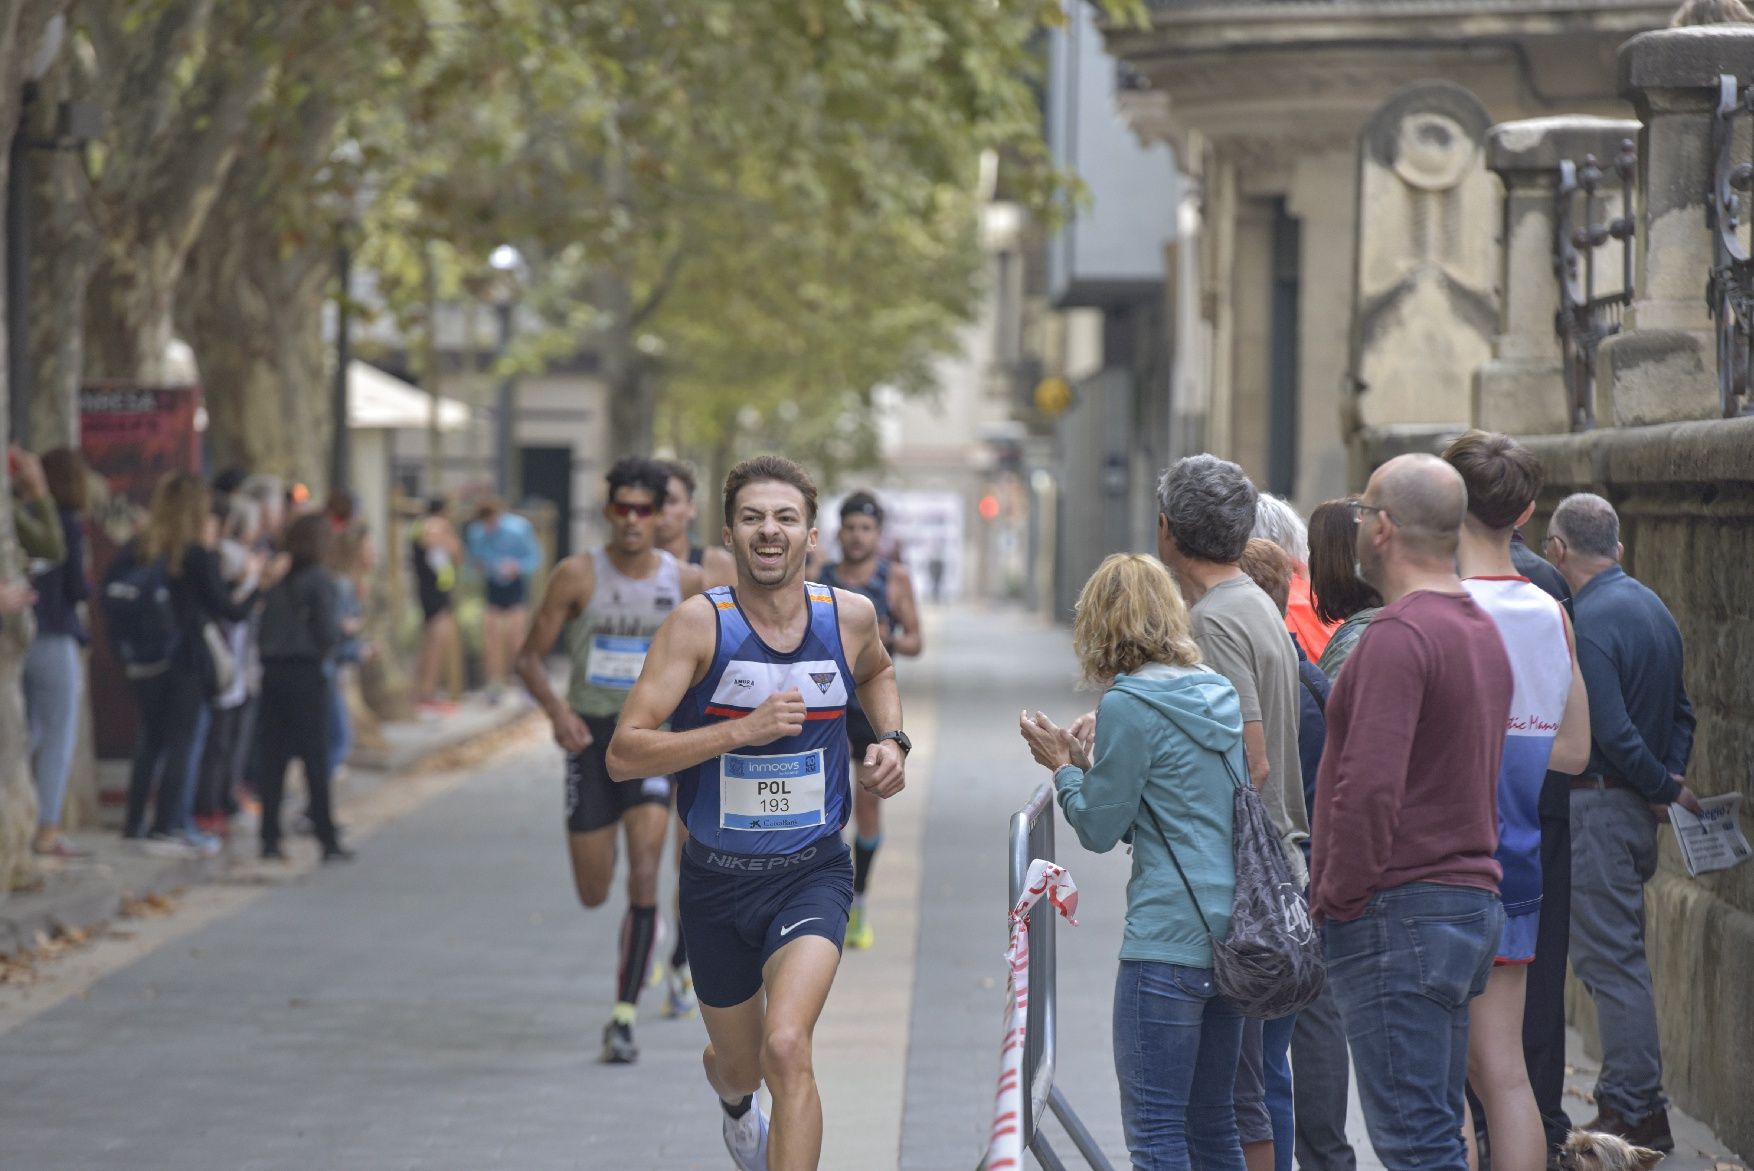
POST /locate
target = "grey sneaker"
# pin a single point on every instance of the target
(746, 1138)
(167, 846)
(618, 1046)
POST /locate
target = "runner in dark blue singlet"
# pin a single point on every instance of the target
(754, 682)
(890, 587)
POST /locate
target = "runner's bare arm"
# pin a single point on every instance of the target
(883, 771)
(907, 612)
(679, 657)
(567, 594)
(1571, 746)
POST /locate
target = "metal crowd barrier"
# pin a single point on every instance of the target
(1032, 836)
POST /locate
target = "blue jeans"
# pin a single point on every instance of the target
(1403, 973)
(54, 685)
(340, 719)
(1176, 1043)
(1276, 1064)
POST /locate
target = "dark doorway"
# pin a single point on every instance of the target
(545, 473)
(1282, 405)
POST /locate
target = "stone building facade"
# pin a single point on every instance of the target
(1368, 264)
(1266, 103)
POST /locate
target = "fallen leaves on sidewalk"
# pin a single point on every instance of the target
(152, 906)
(21, 968)
(478, 750)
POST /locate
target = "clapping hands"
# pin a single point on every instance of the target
(1052, 746)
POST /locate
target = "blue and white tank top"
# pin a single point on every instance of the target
(1532, 626)
(770, 798)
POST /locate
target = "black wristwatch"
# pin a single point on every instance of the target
(900, 738)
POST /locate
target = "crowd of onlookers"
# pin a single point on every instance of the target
(1446, 730)
(236, 610)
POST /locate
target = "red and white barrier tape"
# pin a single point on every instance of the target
(1005, 1145)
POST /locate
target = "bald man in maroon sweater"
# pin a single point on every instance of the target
(1406, 819)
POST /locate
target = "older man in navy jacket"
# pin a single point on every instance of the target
(1641, 729)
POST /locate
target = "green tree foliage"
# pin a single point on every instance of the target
(739, 204)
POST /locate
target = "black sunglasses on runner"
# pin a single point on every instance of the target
(622, 508)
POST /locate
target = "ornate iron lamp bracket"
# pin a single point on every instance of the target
(1730, 292)
(1585, 316)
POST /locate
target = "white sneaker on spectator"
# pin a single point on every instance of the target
(166, 846)
(205, 845)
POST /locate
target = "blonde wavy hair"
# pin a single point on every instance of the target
(176, 519)
(1130, 613)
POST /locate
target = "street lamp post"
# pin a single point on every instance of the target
(508, 265)
(349, 196)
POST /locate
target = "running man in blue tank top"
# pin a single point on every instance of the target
(754, 682)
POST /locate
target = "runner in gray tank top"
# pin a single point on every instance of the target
(607, 604)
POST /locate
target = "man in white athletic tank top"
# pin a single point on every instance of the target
(1548, 728)
(608, 603)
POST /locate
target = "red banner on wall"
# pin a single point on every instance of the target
(132, 436)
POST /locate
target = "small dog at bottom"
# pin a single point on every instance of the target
(1591, 1150)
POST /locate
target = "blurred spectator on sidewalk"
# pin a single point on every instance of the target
(54, 673)
(349, 563)
(1641, 730)
(34, 516)
(223, 757)
(504, 548)
(1206, 509)
(1318, 1039)
(1406, 820)
(1341, 596)
(1278, 522)
(174, 699)
(299, 633)
(435, 553)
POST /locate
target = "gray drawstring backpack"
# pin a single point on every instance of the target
(1270, 965)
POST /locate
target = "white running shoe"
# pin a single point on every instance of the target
(746, 1137)
(679, 1000)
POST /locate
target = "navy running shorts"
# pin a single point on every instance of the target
(593, 801)
(508, 595)
(739, 909)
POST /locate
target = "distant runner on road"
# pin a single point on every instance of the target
(609, 602)
(754, 682)
(890, 587)
(676, 528)
(675, 536)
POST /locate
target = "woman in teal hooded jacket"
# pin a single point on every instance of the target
(1155, 776)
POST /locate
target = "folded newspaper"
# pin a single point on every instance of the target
(1713, 840)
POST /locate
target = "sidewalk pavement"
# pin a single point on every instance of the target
(77, 896)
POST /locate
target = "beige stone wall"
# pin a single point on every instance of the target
(1685, 493)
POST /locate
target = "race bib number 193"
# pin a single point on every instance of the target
(766, 793)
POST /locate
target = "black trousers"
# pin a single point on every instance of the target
(1544, 1008)
(292, 722)
(165, 750)
(219, 763)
